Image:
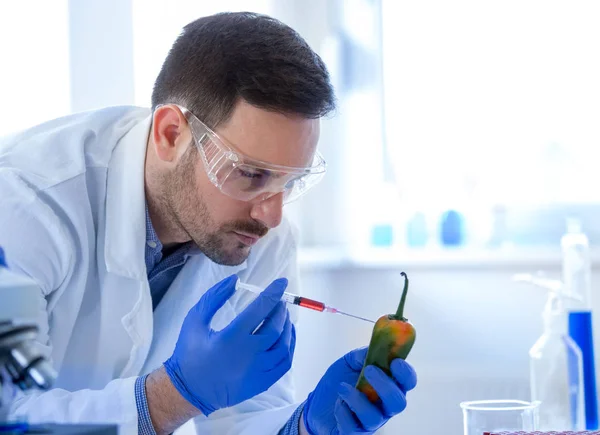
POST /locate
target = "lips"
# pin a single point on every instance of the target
(247, 239)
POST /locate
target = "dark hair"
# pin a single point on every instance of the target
(221, 58)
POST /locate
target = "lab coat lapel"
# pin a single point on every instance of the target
(126, 205)
(125, 240)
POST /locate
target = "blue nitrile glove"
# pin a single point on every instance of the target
(336, 407)
(214, 370)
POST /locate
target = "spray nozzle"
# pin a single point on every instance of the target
(552, 285)
(554, 309)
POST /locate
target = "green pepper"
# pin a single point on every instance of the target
(393, 337)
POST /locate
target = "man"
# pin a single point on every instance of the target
(125, 217)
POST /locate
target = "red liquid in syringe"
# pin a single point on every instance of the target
(309, 303)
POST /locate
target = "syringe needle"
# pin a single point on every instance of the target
(352, 315)
(301, 301)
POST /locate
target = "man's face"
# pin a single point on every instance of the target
(225, 228)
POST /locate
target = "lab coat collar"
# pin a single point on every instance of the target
(125, 204)
(125, 241)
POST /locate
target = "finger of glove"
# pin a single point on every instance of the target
(280, 351)
(346, 421)
(392, 397)
(214, 299)
(270, 331)
(367, 413)
(255, 313)
(404, 374)
(282, 368)
(356, 358)
(293, 343)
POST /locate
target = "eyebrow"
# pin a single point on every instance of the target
(277, 175)
(269, 172)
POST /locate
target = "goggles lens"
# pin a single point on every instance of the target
(247, 179)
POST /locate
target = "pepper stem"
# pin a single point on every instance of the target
(400, 311)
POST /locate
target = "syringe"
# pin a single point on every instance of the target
(301, 301)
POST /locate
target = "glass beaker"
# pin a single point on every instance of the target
(497, 415)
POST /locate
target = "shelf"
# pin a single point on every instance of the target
(433, 258)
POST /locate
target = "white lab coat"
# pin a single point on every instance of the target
(72, 216)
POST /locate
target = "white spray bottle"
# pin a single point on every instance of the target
(556, 365)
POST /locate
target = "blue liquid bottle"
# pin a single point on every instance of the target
(577, 284)
(452, 228)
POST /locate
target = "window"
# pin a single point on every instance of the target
(494, 105)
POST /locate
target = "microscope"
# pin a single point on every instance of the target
(21, 363)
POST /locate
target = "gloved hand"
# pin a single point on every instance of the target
(336, 407)
(214, 370)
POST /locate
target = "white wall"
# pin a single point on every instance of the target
(101, 54)
(34, 63)
(474, 330)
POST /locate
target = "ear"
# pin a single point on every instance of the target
(171, 133)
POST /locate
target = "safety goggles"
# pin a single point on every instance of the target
(247, 179)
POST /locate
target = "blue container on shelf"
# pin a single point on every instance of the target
(382, 235)
(452, 231)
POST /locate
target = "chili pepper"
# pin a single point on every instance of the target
(393, 337)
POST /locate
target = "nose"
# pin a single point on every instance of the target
(269, 212)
